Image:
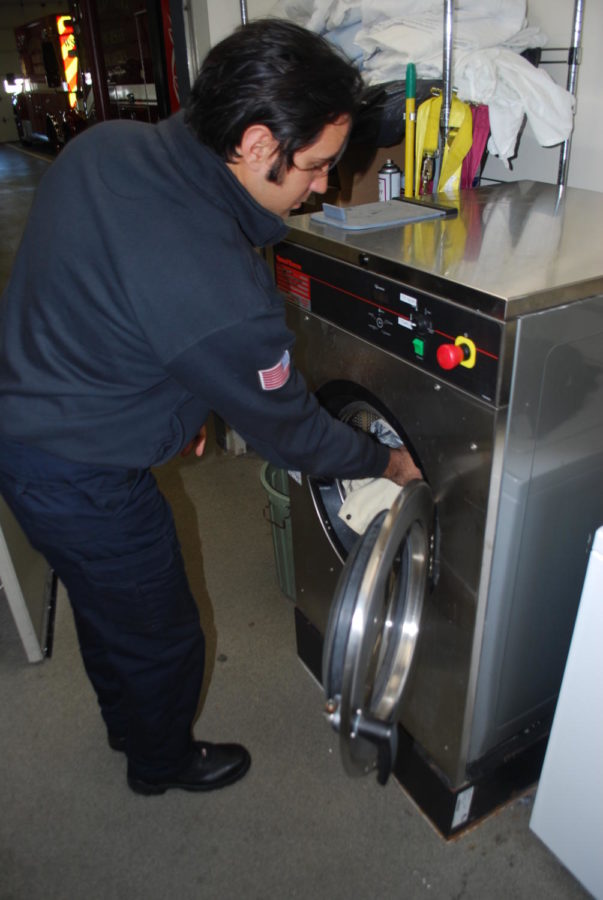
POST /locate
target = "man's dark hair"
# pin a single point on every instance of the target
(273, 73)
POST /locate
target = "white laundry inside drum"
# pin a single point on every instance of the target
(365, 497)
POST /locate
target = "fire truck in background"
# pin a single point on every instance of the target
(45, 96)
(110, 51)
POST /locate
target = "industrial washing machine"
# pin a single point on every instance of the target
(441, 634)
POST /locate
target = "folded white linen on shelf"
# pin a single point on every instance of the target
(382, 36)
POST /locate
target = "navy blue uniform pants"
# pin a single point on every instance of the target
(109, 535)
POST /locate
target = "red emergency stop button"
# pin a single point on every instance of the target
(449, 356)
(462, 352)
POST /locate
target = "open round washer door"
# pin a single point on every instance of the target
(373, 628)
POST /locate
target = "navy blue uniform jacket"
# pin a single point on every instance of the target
(137, 304)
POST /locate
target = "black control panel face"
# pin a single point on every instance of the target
(456, 344)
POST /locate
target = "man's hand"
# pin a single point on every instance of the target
(197, 444)
(401, 468)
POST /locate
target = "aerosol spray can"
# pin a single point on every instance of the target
(389, 181)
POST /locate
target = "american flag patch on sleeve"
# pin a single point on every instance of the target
(278, 375)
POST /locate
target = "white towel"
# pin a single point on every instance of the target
(365, 497)
(512, 88)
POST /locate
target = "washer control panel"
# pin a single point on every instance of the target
(455, 343)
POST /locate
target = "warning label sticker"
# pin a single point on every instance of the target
(293, 282)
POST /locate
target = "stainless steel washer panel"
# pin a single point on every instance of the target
(550, 504)
(517, 481)
(512, 249)
(458, 472)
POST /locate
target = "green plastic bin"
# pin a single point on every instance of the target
(278, 513)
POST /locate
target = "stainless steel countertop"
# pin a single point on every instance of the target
(513, 248)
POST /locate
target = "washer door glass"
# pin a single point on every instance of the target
(373, 628)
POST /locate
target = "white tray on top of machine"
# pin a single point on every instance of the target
(381, 214)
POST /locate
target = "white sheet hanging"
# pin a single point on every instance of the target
(512, 88)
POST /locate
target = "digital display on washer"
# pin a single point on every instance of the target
(456, 344)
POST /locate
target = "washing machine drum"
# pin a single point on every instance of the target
(373, 628)
(329, 495)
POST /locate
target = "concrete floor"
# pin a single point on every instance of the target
(19, 176)
(296, 826)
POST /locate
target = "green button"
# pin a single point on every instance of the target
(419, 346)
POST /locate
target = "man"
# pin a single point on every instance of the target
(136, 305)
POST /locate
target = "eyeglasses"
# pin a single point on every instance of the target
(319, 169)
(322, 169)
